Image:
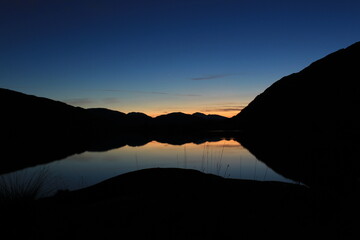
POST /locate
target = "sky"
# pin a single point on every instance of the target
(162, 56)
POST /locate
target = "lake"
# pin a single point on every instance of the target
(226, 158)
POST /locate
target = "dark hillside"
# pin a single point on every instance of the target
(32, 128)
(323, 96)
(37, 130)
(306, 125)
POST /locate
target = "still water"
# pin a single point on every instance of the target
(226, 158)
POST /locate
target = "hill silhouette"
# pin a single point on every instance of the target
(306, 125)
(167, 203)
(323, 96)
(47, 130)
(36, 115)
(209, 116)
(33, 128)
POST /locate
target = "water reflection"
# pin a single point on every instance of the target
(225, 158)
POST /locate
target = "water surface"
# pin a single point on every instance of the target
(226, 158)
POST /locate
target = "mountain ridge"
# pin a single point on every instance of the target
(317, 108)
(46, 130)
(326, 84)
(16, 94)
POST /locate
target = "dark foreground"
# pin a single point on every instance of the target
(177, 204)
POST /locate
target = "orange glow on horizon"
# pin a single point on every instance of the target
(226, 108)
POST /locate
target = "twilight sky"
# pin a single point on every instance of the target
(161, 56)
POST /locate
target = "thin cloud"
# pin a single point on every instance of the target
(225, 109)
(140, 92)
(188, 95)
(209, 77)
(110, 100)
(155, 93)
(79, 101)
(89, 101)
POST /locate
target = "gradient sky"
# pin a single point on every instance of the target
(156, 57)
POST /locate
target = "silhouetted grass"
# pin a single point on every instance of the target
(212, 159)
(23, 186)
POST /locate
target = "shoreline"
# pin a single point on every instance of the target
(171, 203)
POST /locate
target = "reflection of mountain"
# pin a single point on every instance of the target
(306, 125)
(33, 128)
(37, 130)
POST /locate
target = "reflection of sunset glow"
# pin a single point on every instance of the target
(224, 143)
(226, 158)
(221, 143)
(228, 114)
(168, 152)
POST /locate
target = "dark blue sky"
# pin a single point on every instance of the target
(163, 56)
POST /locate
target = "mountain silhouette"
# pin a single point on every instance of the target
(46, 130)
(306, 125)
(35, 128)
(183, 117)
(176, 118)
(26, 117)
(209, 116)
(324, 95)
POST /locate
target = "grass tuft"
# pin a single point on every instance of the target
(23, 186)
